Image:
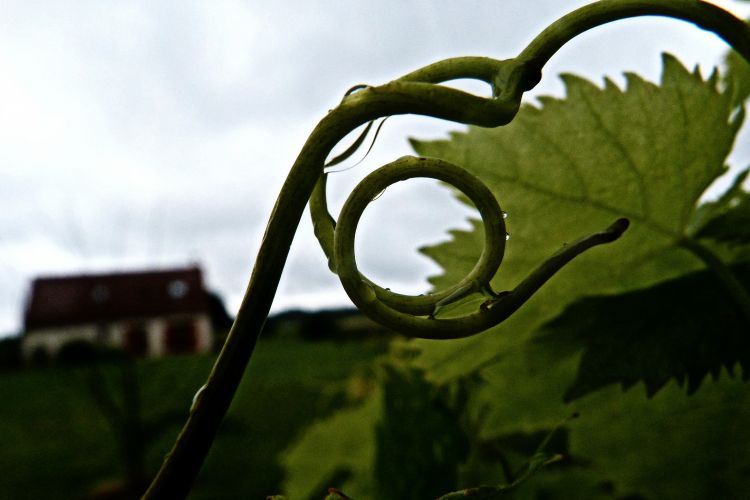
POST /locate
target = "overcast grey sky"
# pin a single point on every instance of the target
(139, 134)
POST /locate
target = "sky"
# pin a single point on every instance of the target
(147, 134)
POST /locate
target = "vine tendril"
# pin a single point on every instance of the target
(421, 93)
(415, 315)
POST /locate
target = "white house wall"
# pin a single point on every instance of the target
(53, 339)
(113, 335)
(204, 341)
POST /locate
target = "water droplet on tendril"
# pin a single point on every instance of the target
(356, 88)
(507, 236)
(505, 215)
(197, 398)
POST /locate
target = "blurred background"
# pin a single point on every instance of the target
(142, 145)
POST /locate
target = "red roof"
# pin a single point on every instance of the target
(90, 298)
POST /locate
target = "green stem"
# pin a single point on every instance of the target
(736, 291)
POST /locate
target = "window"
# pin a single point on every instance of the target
(181, 336)
(100, 294)
(136, 339)
(177, 289)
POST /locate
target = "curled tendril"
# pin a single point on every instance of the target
(415, 315)
(419, 93)
(399, 311)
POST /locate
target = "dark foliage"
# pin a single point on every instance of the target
(419, 445)
(685, 328)
(10, 353)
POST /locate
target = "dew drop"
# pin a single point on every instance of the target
(356, 89)
(507, 236)
(505, 215)
(197, 398)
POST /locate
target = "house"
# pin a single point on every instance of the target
(148, 313)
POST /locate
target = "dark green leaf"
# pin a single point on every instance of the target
(419, 444)
(685, 328)
(670, 446)
(342, 447)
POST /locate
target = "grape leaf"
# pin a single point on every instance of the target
(521, 393)
(624, 443)
(570, 167)
(669, 446)
(419, 444)
(685, 328)
(340, 448)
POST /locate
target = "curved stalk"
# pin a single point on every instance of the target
(419, 93)
(704, 15)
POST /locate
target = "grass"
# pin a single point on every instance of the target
(57, 444)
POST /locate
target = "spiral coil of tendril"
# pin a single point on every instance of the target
(383, 303)
(415, 315)
(418, 93)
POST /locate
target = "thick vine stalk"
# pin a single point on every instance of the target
(418, 93)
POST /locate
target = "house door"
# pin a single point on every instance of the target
(181, 337)
(136, 340)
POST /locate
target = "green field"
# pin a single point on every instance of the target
(56, 442)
